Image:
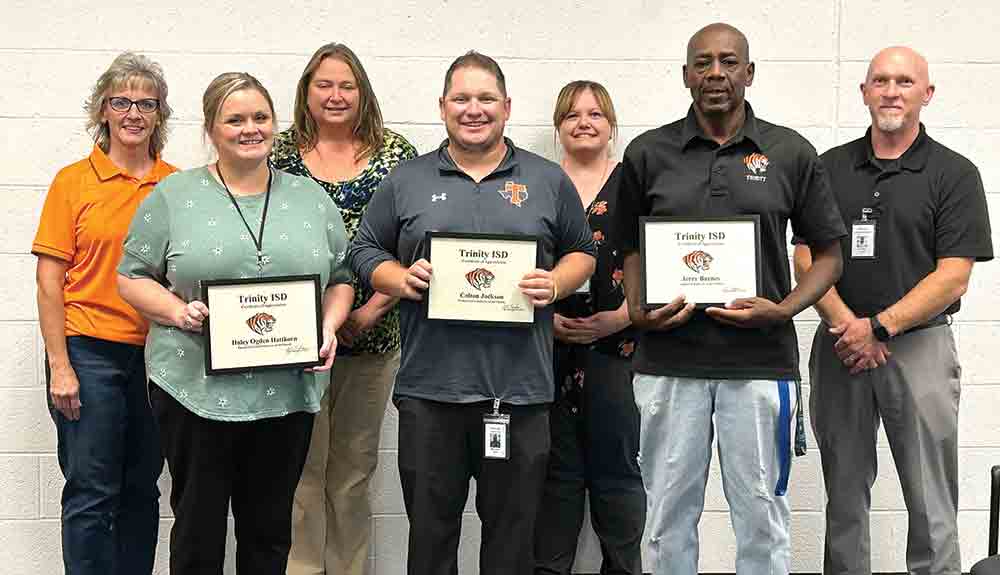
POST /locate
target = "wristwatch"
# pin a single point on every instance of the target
(879, 330)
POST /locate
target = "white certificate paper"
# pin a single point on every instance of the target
(711, 261)
(262, 323)
(476, 275)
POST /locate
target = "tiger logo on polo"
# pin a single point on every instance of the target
(756, 164)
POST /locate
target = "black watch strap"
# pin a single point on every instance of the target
(879, 330)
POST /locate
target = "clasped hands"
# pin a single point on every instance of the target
(539, 285)
(857, 347)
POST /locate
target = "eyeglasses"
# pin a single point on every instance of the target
(123, 104)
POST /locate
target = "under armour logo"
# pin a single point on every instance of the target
(436, 197)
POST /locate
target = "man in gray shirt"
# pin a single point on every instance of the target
(453, 377)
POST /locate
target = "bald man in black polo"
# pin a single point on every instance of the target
(918, 221)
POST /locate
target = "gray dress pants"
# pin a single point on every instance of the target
(916, 396)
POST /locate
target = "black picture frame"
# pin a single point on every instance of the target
(429, 237)
(206, 294)
(645, 249)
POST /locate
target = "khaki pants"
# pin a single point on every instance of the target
(331, 518)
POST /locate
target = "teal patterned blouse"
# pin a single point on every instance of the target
(352, 196)
(187, 230)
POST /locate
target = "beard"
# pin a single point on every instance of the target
(889, 123)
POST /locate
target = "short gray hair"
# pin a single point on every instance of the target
(128, 69)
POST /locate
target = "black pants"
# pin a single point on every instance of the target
(255, 465)
(440, 448)
(595, 440)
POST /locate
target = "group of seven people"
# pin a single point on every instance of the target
(603, 396)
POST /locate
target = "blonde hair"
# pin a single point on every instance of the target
(222, 87)
(368, 129)
(569, 93)
(128, 69)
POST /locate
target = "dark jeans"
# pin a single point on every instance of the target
(595, 440)
(440, 448)
(111, 460)
(253, 464)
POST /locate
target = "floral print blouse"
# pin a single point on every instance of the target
(607, 291)
(352, 196)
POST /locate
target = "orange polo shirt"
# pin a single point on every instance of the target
(85, 218)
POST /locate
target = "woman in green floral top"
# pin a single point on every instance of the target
(339, 141)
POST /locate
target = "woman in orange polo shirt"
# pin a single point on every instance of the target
(108, 447)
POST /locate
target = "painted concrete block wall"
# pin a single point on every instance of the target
(811, 56)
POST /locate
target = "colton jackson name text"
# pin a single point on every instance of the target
(480, 296)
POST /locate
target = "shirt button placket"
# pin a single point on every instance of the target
(717, 184)
(478, 216)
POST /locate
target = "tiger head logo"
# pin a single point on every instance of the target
(757, 163)
(698, 261)
(261, 323)
(480, 278)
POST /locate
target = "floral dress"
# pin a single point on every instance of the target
(352, 196)
(606, 293)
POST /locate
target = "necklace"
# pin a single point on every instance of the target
(605, 172)
(258, 240)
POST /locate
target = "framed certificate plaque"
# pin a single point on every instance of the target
(476, 275)
(262, 323)
(712, 261)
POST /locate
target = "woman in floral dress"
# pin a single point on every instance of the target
(593, 421)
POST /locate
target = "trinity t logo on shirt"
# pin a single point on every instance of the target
(515, 193)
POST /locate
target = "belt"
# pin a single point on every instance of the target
(938, 320)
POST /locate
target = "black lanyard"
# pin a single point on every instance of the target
(258, 240)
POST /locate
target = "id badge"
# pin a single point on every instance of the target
(496, 428)
(863, 239)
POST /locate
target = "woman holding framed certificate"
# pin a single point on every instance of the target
(338, 139)
(593, 421)
(270, 246)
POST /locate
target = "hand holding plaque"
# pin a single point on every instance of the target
(417, 280)
(539, 286)
(749, 312)
(192, 315)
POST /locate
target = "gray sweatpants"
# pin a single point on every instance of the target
(916, 396)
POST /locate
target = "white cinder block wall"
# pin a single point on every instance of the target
(811, 56)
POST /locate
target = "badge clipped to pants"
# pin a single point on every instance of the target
(863, 237)
(496, 434)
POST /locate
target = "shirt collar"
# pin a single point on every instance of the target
(106, 169)
(749, 130)
(447, 164)
(913, 159)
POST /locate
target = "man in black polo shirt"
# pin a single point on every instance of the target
(454, 376)
(917, 217)
(738, 363)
